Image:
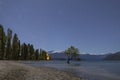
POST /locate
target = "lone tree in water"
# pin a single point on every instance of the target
(71, 52)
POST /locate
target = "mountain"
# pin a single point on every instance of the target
(113, 56)
(57, 55)
(53, 51)
(90, 57)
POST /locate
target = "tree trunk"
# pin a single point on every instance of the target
(68, 60)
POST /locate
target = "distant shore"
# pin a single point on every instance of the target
(13, 70)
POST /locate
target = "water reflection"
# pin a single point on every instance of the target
(97, 70)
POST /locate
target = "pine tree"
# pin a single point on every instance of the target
(8, 46)
(18, 53)
(37, 54)
(29, 48)
(22, 52)
(2, 42)
(25, 51)
(43, 55)
(31, 52)
(15, 47)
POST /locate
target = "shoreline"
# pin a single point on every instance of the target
(15, 70)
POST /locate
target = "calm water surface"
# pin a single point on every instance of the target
(89, 70)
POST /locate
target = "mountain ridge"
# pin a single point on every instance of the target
(113, 56)
(59, 55)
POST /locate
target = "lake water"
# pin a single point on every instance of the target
(89, 70)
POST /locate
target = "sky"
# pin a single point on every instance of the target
(92, 26)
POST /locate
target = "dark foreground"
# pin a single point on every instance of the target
(11, 70)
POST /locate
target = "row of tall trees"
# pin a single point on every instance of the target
(12, 49)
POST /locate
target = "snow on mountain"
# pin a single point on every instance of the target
(55, 51)
(59, 55)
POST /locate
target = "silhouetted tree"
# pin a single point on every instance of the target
(2, 42)
(28, 52)
(24, 51)
(15, 47)
(36, 54)
(8, 46)
(31, 52)
(19, 50)
(43, 54)
(71, 52)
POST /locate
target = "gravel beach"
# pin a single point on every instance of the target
(13, 70)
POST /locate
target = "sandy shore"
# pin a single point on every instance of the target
(13, 70)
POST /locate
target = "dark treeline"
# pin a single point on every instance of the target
(12, 49)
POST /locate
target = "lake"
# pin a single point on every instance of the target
(89, 70)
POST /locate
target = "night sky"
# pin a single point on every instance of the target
(93, 26)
